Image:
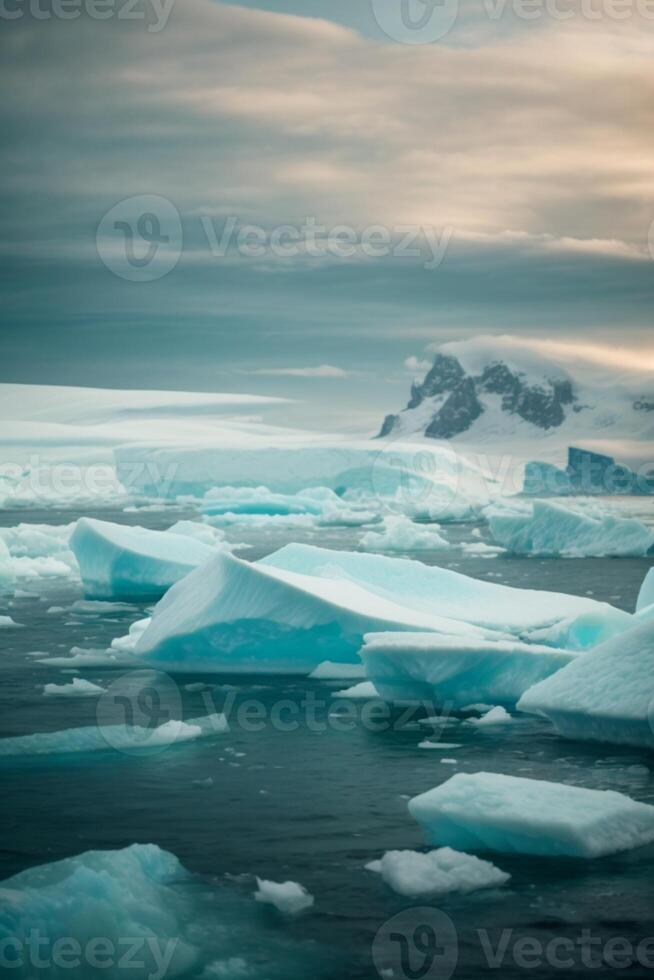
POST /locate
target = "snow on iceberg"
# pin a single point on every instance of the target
(104, 738)
(489, 811)
(402, 534)
(118, 561)
(437, 591)
(607, 695)
(456, 670)
(552, 530)
(232, 615)
(413, 874)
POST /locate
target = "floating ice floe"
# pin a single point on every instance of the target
(78, 688)
(455, 670)
(231, 615)
(494, 716)
(288, 897)
(104, 738)
(157, 921)
(118, 561)
(6, 622)
(607, 695)
(260, 507)
(330, 671)
(553, 530)
(6, 571)
(413, 874)
(402, 534)
(489, 811)
(359, 692)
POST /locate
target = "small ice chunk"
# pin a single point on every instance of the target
(359, 692)
(496, 716)
(6, 622)
(489, 811)
(79, 688)
(438, 745)
(289, 897)
(414, 874)
(402, 534)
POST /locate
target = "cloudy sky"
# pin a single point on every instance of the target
(294, 197)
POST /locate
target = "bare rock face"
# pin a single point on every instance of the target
(459, 398)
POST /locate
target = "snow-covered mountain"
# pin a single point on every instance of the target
(492, 389)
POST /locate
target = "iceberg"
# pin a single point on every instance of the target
(117, 561)
(413, 874)
(288, 897)
(402, 534)
(78, 688)
(456, 670)
(437, 591)
(646, 594)
(607, 695)
(6, 571)
(260, 501)
(138, 912)
(551, 530)
(234, 616)
(489, 811)
(104, 738)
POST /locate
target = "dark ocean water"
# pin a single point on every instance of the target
(316, 802)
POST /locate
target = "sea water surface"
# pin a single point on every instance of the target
(313, 798)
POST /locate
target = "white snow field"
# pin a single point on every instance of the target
(489, 811)
(117, 561)
(442, 592)
(607, 695)
(232, 615)
(413, 874)
(456, 670)
(103, 738)
(554, 530)
(399, 533)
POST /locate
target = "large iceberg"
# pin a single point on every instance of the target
(456, 670)
(301, 605)
(552, 530)
(232, 615)
(440, 591)
(415, 473)
(607, 695)
(489, 811)
(117, 561)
